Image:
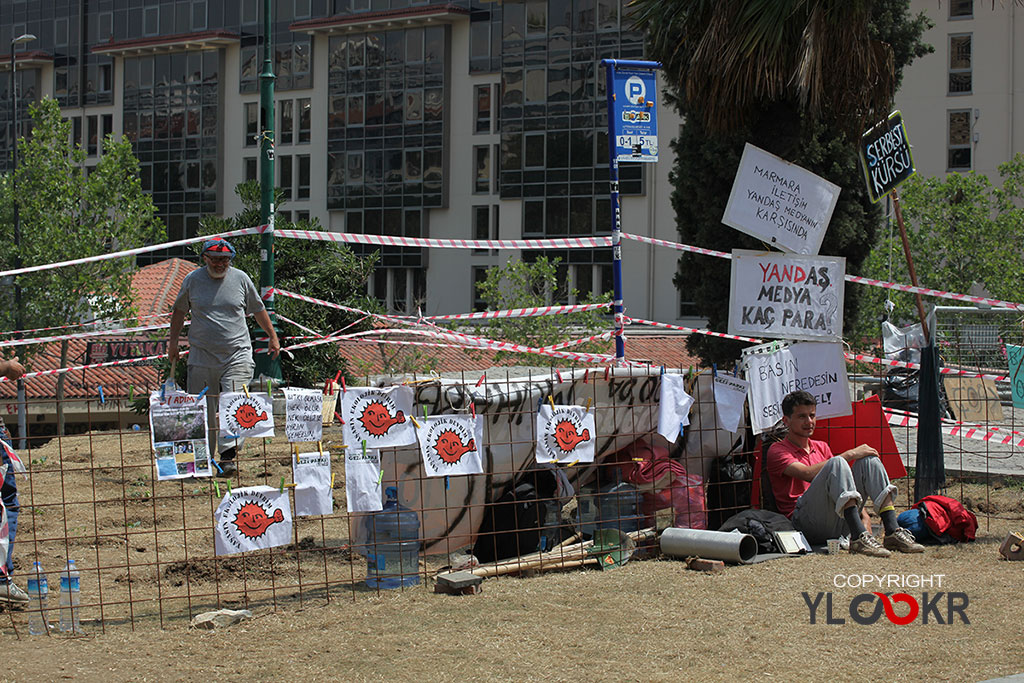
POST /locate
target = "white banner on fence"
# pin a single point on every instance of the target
(565, 434)
(451, 444)
(816, 367)
(789, 297)
(780, 203)
(246, 415)
(730, 394)
(177, 425)
(303, 409)
(252, 518)
(362, 480)
(380, 417)
(311, 473)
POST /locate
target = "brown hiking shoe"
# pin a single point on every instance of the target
(903, 541)
(868, 545)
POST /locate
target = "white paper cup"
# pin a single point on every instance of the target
(833, 546)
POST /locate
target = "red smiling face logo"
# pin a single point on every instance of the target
(450, 448)
(567, 437)
(376, 419)
(252, 520)
(247, 417)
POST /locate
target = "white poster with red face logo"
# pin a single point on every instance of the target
(246, 414)
(565, 434)
(252, 518)
(380, 417)
(451, 444)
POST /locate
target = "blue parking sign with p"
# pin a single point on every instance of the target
(633, 110)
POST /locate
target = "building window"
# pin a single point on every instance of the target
(250, 168)
(959, 149)
(92, 134)
(303, 189)
(961, 9)
(479, 275)
(305, 119)
(284, 163)
(482, 226)
(482, 163)
(483, 109)
(252, 123)
(960, 64)
(287, 122)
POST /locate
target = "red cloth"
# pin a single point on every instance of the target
(867, 425)
(780, 456)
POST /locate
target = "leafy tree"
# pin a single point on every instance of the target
(963, 230)
(324, 270)
(796, 78)
(522, 284)
(68, 212)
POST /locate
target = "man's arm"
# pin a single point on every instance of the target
(12, 369)
(263, 320)
(177, 322)
(798, 470)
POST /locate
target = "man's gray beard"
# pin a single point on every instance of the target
(216, 276)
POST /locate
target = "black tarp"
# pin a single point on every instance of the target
(930, 473)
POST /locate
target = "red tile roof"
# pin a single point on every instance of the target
(154, 289)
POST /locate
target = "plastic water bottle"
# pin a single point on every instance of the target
(38, 590)
(70, 594)
(393, 550)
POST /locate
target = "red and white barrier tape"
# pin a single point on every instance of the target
(676, 245)
(132, 252)
(91, 323)
(84, 335)
(389, 240)
(91, 366)
(694, 330)
(519, 312)
(916, 366)
(976, 432)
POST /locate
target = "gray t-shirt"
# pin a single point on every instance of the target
(218, 336)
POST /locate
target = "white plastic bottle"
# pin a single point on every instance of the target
(38, 590)
(70, 593)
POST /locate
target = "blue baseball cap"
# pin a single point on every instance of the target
(218, 247)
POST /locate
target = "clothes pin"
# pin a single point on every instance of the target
(559, 376)
(282, 485)
(414, 421)
(320, 447)
(103, 399)
(216, 487)
(270, 386)
(588, 403)
(662, 370)
(340, 418)
(229, 487)
(163, 392)
(424, 412)
(380, 478)
(245, 388)
(343, 388)
(219, 470)
(540, 402)
(472, 409)
(551, 400)
(586, 375)
(332, 480)
(202, 393)
(364, 448)
(573, 462)
(736, 370)
(607, 371)
(481, 380)
(446, 482)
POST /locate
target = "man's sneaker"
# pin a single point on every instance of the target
(903, 541)
(866, 544)
(12, 595)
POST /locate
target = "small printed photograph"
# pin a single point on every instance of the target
(164, 450)
(178, 426)
(186, 467)
(183, 447)
(166, 467)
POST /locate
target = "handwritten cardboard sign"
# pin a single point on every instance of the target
(303, 414)
(780, 203)
(973, 399)
(789, 297)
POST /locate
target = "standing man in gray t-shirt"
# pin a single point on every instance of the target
(220, 352)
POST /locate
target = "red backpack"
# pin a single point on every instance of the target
(948, 516)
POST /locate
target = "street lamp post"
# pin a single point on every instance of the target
(20, 40)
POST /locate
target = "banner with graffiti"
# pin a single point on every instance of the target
(252, 518)
(789, 297)
(451, 444)
(565, 434)
(246, 414)
(775, 370)
(177, 427)
(624, 404)
(303, 410)
(380, 417)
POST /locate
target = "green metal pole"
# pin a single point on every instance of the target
(265, 364)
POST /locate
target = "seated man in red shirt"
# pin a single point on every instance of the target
(823, 494)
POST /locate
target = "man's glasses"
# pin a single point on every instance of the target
(219, 259)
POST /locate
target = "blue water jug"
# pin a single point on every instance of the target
(615, 506)
(393, 545)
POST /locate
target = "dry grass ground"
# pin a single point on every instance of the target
(649, 620)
